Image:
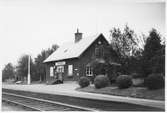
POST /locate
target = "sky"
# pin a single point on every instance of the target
(29, 26)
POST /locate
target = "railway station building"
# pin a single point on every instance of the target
(72, 60)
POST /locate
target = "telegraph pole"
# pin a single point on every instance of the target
(29, 77)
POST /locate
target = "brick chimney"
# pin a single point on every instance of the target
(78, 36)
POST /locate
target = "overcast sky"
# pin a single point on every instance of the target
(28, 26)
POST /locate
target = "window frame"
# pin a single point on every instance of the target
(51, 71)
(89, 71)
(60, 69)
(70, 70)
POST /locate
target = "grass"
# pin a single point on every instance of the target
(136, 92)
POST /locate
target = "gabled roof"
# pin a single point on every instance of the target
(72, 50)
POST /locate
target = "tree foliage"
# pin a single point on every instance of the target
(125, 42)
(37, 68)
(153, 59)
(153, 44)
(143, 54)
(128, 48)
(8, 72)
(39, 65)
(22, 67)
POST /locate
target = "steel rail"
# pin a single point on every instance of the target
(48, 101)
(21, 104)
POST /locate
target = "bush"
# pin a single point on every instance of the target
(84, 82)
(124, 81)
(154, 81)
(101, 81)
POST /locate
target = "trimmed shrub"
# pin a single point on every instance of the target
(101, 81)
(124, 81)
(84, 82)
(154, 81)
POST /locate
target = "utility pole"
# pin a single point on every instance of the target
(29, 77)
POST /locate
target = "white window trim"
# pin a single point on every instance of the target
(89, 71)
(60, 69)
(70, 70)
(51, 71)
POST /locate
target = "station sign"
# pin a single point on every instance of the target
(60, 63)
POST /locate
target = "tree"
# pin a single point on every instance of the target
(8, 72)
(39, 65)
(153, 44)
(157, 62)
(153, 54)
(49, 51)
(128, 48)
(22, 67)
(125, 42)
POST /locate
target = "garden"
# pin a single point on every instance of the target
(139, 75)
(125, 87)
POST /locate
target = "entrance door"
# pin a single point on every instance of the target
(89, 73)
(60, 73)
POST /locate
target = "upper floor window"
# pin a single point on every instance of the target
(99, 51)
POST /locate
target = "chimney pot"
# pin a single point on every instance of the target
(78, 36)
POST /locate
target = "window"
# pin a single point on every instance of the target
(99, 52)
(89, 71)
(60, 69)
(70, 70)
(51, 71)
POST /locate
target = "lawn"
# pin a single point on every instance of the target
(137, 92)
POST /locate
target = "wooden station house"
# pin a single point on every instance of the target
(71, 60)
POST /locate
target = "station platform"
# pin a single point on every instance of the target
(68, 89)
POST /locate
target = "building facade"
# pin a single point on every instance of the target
(71, 60)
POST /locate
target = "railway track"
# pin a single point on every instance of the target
(75, 103)
(36, 104)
